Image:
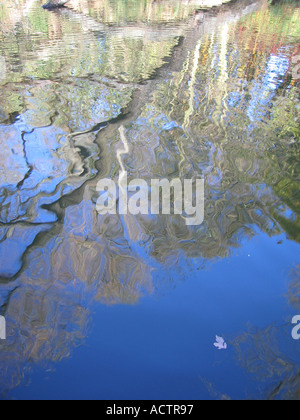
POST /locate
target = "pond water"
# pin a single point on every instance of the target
(128, 307)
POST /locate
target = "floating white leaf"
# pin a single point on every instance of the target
(220, 344)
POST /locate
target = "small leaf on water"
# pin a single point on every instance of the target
(220, 343)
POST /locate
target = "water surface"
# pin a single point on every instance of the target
(127, 307)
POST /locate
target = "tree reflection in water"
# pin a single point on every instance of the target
(211, 97)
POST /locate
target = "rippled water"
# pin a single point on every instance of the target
(128, 307)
